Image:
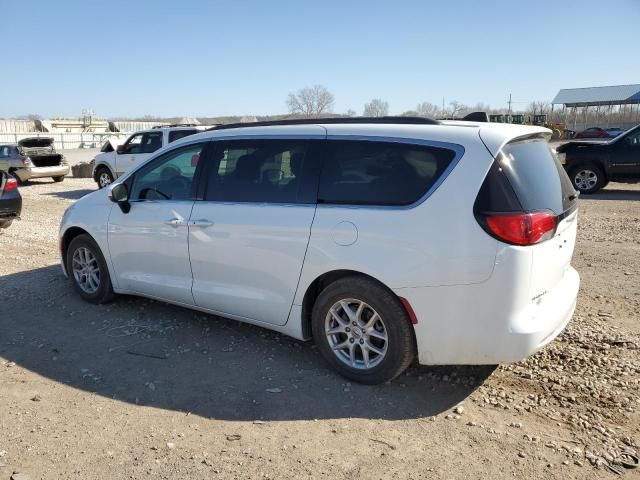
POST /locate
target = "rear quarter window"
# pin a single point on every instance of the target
(380, 173)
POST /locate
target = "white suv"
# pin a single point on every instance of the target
(107, 166)
(378, 238)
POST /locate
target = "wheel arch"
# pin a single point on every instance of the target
(320, 283)
(100, 165)
(67, 237)
(583, 162)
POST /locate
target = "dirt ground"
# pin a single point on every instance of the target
(141, 389)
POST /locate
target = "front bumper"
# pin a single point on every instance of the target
(471, 325)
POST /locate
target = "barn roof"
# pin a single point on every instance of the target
(611, 95)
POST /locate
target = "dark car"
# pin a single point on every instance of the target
(593, 164)
(10, 199)
(593, 132)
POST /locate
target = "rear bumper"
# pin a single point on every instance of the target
(471, 325)
(42, 172)
(10, 208)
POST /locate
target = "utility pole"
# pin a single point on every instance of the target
(509, 104)
(442, 106)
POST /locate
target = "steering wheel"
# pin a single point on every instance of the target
(145, 191)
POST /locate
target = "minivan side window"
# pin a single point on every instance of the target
(168, 177)
(380, 173)
(263, 171)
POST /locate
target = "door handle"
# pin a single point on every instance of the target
(176, 222)
(201, 223)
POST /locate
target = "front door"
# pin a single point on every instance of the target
(249, 236)
(625, 156)
(149, 244)
(136, 149)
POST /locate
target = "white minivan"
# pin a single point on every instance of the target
(380, 239)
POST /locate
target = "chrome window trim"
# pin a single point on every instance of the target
(457, 148)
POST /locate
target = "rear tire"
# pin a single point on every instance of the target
(6, 223)
(357, 344)
(58, 179)
(587, 178)
(88, 270)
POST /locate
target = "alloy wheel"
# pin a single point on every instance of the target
(104, 179)
(86, 270)
(356, 334)
(585, 179)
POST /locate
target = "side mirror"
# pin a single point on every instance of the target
(121, 149)
(120, 195)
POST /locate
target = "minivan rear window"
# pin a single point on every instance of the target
(536, 176)
(380, 173)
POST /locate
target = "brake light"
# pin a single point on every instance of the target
(11, 184)
(522, 228)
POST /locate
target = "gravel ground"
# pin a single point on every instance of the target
(140, 389)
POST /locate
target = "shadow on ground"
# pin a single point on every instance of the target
(150, 353)
(618, 194)
(71, 194)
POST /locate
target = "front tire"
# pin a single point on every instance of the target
(104, 177)
(88, 270)
(363, 331)
(587, 179)
(58, 179)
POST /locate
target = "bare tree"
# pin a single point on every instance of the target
(310, 101)
(426, 109)
(538, 108)
(456, 108)
(376, 108)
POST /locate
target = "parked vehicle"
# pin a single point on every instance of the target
(378, 238)
(593, 132)
(10, 200)
(34, 157)
(110, 164)
(614, 132)
(592, 165)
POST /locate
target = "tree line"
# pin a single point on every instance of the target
(318, 101)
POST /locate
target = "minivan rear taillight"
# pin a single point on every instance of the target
(11, 184)
(522, 228)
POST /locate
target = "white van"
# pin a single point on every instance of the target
(380, 239)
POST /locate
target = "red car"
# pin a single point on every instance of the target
(593, 132)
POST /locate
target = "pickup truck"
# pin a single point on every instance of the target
(592, 164)
(109, 165)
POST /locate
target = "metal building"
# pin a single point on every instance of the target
(596, 106)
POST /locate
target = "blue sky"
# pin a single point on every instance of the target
(209, 58)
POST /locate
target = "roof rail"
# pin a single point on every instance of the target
(177, 125)
(331, 120)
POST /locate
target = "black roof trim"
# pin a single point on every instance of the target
(332, 120)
